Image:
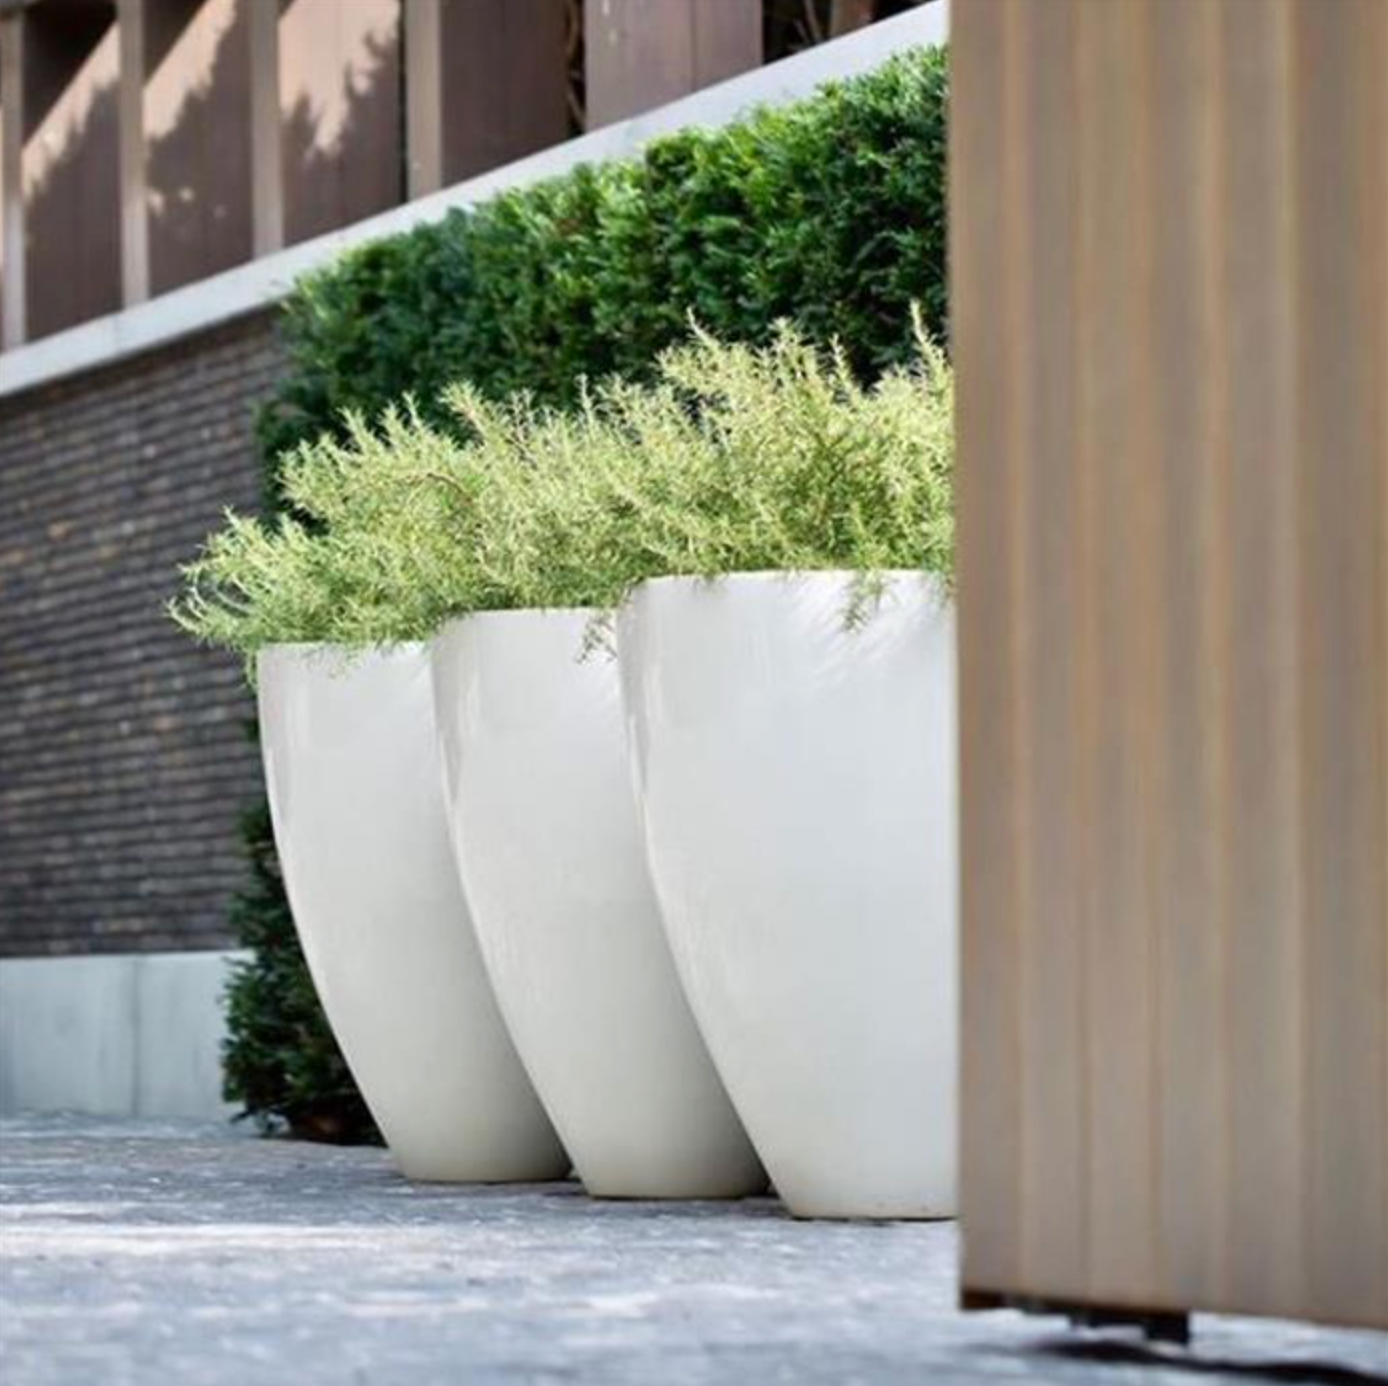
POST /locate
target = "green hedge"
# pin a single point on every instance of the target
(282, 1064)
(830, 212)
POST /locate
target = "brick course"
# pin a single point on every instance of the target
(124, 764)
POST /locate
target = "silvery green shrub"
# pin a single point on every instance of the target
(733, 458)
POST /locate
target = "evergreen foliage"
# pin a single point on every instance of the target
(829, 212)
(281, 1063)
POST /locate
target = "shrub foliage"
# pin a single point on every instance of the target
(733, 458)
(829, 212)
(283, 1065)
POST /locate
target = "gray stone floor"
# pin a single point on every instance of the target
(142, 1253)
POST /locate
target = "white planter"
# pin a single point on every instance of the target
(798, 788)
(546, 835)
(351, 764)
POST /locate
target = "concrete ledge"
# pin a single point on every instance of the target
(132, 1034)
(259, 283)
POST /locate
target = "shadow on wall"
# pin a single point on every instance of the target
(72, 231)
(342, 134)
(341, 139)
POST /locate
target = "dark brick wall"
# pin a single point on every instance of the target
(123, 762)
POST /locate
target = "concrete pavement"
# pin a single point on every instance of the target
(145, 1253)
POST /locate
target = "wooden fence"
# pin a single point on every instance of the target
(1170, 257)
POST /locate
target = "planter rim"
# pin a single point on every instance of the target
(763, 576)
(310, 648)
(500, 615)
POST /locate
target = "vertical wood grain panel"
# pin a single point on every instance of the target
(847, 15)
(1038, 88)
(423, 24)
(2, 190)
(71, 167)
(1186, 617)
(486, 83)
(1170, 299)
(727, 39)
(505, 82)
(980, 313)
(642, 53)
(266, 141)
(339, 91)
(1340, 58)
(134, 184)
(186, 140)
(12, 177)
(1264, 1218)
(1118, 697)
(198, 115)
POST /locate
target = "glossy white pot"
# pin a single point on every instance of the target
(546, 836)
(797, 783)
(351, 764)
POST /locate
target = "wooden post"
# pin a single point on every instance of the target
(423, 21)
(267, 148)
(12, 179)
(1170, 314)
(642, 53)
(134, 186)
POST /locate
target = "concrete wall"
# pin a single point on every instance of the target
(128, 1035)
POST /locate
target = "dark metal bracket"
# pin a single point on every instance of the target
(1156, 1325)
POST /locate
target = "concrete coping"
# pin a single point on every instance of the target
(260, 283)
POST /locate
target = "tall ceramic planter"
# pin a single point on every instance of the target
(352, 769)
(546, 836)
(797, 784)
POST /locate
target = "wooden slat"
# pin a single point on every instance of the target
(1184, 618)
(991, 1076)
(71, 166)
(134, 182)
(1170, 297)
(642, 53)
(1116, 695)
(1339, 62)
(727, 39)
(847, 15)
(12, 314)
(1264, 959)
(185, 114)
(1057, 916)
(340, 108)
(505, 82)
(267, 145)
(197, 112)
(423, 21)
(2, 202)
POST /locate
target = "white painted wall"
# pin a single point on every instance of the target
(126, 1034)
